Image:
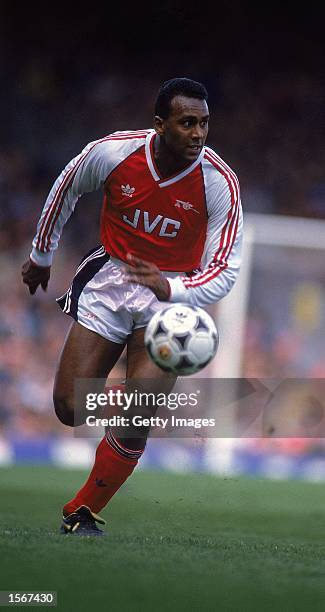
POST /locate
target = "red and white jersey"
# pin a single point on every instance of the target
(189, 221)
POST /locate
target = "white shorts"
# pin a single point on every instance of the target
(100, 298)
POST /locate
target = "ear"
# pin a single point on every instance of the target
(158, 124)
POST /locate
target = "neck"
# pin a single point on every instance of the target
(167, 163)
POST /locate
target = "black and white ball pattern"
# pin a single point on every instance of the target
(181, 339)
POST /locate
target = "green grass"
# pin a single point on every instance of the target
(175, 542)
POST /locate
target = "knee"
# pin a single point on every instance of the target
(64, 409)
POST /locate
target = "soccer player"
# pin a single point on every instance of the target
(171, 229)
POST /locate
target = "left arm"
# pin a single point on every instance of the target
(222, 253)
(221, 257)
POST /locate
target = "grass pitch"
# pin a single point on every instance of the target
(174, 542)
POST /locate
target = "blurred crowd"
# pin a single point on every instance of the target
(270, 129)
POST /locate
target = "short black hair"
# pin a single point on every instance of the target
(177, 87)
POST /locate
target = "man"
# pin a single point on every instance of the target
(170, 231)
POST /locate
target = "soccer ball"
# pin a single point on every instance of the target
(181, 339)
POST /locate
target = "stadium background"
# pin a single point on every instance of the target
(71, 78)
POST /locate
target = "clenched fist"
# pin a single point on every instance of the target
(34, 275)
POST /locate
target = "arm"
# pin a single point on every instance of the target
(85, 173)
(221, 257)
(222, 253)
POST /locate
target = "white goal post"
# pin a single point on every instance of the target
(231, 312)
(304, 237)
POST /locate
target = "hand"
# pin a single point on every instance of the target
(148, 275)
(34, 275)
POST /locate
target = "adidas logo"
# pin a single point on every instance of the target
(180, 316)
(127, 190)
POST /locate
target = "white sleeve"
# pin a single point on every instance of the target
(222, 251)
(86, 172)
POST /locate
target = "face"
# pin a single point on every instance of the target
(185, 130)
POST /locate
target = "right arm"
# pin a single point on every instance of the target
(85, 173)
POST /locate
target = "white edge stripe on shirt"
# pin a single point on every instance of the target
(208, 274)
(223, 164)
(187, 170)
(218, 267)
(214, 268)
(148, 156)
(67, 179)
(175, 178)
(231, 226)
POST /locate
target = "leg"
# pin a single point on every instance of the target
(117, 456)
(145, 375)
(88, 355)
(139, 363)
(85, 355)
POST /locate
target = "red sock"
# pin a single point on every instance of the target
(113, 465)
